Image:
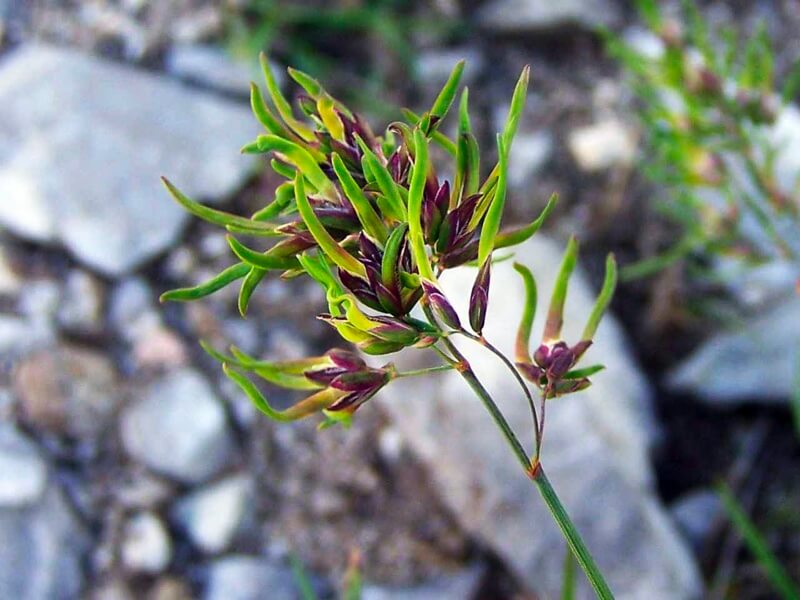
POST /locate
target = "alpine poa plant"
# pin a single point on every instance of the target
(367, 217)
(708, 101)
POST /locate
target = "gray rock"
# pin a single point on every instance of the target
(105, 203)
(530, 153)
(38, 300)
(212, 67)
(67, 390)
(146, 546)
(434, 66)
(461, 585)
(19, 336)
(240, 577)
(43, 546)
(212, 515)
(23, 472)
(178, 428)
(595, 451)
(81, 306)
(697, 513)
(131, 308)
(544, 15)
(757, 362)
(603, 145)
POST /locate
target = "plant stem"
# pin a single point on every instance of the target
(534, 471)
(426, 371)
(574, 540)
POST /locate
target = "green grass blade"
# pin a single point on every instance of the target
(758, 545)
(569, 576)
(415, 195)
(516, 108)
(207, 288)
(302, 580)
(260, 260)
(217, 217)
(250, 283)
(513, 237)
(603, 299)
(329, 246)
(264, 115)
(523, 342)
(494, 214)
(437, 137)
(373, 224)
(444, 100)
(302, 159)
(383, 178)
(555, 314)
(282, 105)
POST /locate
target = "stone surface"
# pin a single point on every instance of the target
(104, 203)
(595, 451)
(696, 514)
(42, 548)
(542, 15)
(240, 577)
(212, 67)
(67, 390)
(757, 362)
(81, 306)
(18, 336)
(603, 145)
(461, 585)
(23, 472)
(213, 514)
(178, 428)
(146, 546)
(530, 153)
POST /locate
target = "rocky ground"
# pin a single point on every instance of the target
(129, 467)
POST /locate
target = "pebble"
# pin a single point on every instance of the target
(241, 577)
(67, 390)
(212, 515)
(697, 514)
(211, 67)
(81, 306)
(23, 472)
(603, 145)
(519, 16)
(146, 546)
(178, 428)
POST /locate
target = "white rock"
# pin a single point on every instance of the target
(542, 15)
(42, 551)
(595, 451)
(757, 362)
(23, 473)
(146, 545)
(212, 515)
(240, 577)
(697, 514)
(212, 67)
(131, 308)
(19, 336)
(178, 428)
(529, 154)
(435, 66)
(81, 307)
(105, 203)
(603, 145)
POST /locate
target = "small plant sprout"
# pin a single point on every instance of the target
(366, 216)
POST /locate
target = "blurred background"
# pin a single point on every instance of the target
(131, 468)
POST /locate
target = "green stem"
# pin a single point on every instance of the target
(574, 540)
(534, 470)
(426, 371)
